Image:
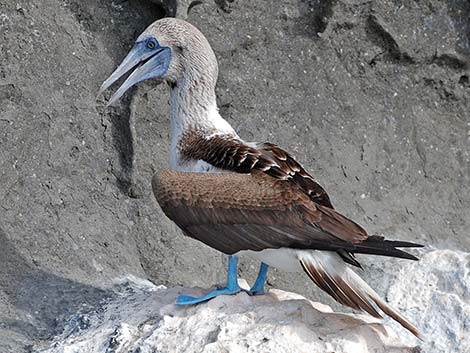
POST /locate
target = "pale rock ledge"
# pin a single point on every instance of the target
(144, 319)
(140, 317)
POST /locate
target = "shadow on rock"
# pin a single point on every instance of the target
(115, 27)
(46, 299)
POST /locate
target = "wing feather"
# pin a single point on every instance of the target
(230, 153)
(234, 212)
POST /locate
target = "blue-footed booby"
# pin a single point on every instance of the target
(245, 197)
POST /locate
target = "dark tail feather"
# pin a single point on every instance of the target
(349, 258)
(377, 245)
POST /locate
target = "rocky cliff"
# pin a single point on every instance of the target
(371, 96)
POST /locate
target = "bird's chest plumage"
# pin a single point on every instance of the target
(185, 156)
(182, 163)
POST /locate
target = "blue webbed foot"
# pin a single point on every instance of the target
(188, 300)
(258, 286)
(231, 288)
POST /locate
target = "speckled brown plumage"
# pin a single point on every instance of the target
(234, 212)
(230, 153)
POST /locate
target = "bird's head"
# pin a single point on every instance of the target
(171, 50)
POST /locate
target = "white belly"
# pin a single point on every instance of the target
(289, 259)
(284, 258)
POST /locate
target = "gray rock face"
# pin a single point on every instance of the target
(372, 97)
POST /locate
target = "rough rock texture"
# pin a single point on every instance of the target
(435, 293)
(141, 317)
(371, 96)
(149, 321)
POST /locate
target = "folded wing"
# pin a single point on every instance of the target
(232, 212)
(231, 153)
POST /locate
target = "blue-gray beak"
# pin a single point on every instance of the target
(153, 61)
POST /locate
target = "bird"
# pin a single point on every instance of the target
(245, 198)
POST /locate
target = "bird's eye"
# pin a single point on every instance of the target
(151, 43)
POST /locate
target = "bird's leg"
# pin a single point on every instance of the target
(232, 286)
(258, 286)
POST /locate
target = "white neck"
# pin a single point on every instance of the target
(193, 107)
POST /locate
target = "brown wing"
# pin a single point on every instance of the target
(233, 212)
(230, 153)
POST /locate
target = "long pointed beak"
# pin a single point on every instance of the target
(154, 64)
